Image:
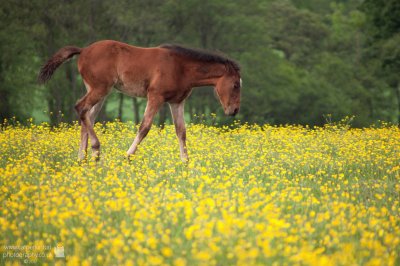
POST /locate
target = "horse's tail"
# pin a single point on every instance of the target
(55, 61)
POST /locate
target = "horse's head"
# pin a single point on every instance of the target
(228, 90)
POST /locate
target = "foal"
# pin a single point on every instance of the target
(162, 74)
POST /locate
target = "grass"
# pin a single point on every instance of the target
(250, 195)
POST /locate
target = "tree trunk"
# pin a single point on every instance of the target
(54, 92)
(136, 115)
(91, 35)
(71, 77)
(190, 109)
(162, 116)
(120, 105)
(398, 102)
(4, 105)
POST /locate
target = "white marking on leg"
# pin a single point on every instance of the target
(177, 111)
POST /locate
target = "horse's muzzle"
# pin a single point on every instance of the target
(232, 112)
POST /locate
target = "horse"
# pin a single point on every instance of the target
(163, 74)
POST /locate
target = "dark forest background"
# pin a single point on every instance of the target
(303, 61)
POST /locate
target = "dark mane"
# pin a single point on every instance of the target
(203, 56)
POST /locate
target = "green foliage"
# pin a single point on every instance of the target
(383, 27)
(300, 60)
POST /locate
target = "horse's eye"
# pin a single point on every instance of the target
(236, 86)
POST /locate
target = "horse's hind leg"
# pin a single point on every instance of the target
(84, 133)
(84, 143)
(87, 108)
(96, 110)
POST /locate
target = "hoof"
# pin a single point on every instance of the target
(82, 156)
(96, 155)
(128, 157)
(185, 160)
(82, 161)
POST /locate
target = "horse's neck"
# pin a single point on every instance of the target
(205, 74)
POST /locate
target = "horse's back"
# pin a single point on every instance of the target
(129, 68)
(104, 54)
(106, 62)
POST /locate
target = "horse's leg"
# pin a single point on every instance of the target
(179, 121)
(96, 110)
(92, 100)
(84, 142)
(84, 133)
(152, 107)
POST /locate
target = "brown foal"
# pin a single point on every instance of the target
(162, 74)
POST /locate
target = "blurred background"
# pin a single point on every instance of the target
(303, 61)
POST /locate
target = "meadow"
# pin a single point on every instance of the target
(250, 195)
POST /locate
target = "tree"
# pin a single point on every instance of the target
(383, 26)
(300, 59)
(299, 34)
(18, 88)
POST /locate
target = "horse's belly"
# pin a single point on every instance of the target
(134, 89)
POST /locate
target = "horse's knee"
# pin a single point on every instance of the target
(79, 104)
(81, 110)
(182, 136)
(83, 106)
(144, 129)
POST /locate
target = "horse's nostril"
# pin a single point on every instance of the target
(235, 111)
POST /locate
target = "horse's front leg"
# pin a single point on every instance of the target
(152, 107)
(179, 121)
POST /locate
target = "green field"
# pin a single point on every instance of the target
(250, 195)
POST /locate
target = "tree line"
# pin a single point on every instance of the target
(301, 60)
